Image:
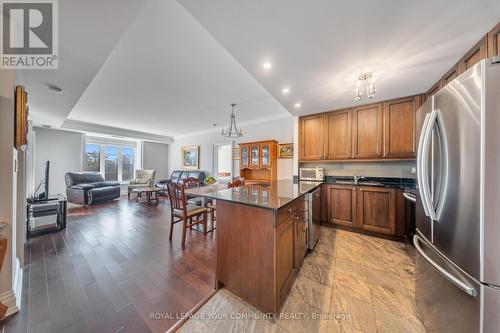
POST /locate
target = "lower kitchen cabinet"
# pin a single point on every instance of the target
(364, 208)
(341, 205)
(301, 243)
(376, 209)
(285, 250)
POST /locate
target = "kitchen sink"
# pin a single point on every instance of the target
(345, 182)
(361, 183)
(370, 183)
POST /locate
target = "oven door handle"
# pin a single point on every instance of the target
(450, 277)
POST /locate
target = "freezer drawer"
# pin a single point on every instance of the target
(445, 306)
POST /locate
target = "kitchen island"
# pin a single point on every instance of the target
(261, 240)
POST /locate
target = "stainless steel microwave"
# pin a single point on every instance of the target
(315, 174)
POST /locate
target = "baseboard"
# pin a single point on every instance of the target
(12, 298)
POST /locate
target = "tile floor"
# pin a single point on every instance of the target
(349, 283)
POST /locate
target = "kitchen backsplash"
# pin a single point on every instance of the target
(397, 169)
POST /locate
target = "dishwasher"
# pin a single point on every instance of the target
(314, 218)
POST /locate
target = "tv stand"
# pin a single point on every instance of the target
(46, 214)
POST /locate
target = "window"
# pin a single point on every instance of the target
(92, 157)
(115, 161)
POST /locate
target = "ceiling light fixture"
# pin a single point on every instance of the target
(266, 65)
(366, 82)
(285, 90)
(54, 88)
(232, 131)
(297, 105)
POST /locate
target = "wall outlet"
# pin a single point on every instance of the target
(413, 170)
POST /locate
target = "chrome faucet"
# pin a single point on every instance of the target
(357, 178)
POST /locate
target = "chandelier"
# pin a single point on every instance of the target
(232, 131)
(366, 83)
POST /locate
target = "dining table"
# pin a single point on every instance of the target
(204, 192)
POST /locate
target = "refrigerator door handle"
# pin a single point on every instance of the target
(410, 197)
(425, 165)
(463, 286)
(420, 165)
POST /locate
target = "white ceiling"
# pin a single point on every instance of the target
(169, 76)
(86, 38)
(318, 48)
(171, 69)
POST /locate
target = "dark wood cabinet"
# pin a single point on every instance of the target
(399, 127)
(494, 41)
(434, 89)
(300, 243)
(341, 205)
(337, 140)
(311, 137)
(370, 209)
(367, 131)
(475, 55)
(285, 260)
(376, 209)
(450, 75)
(384, 130)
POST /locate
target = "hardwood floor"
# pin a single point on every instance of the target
(113, 269)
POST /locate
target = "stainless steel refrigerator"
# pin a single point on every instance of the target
(458, 204)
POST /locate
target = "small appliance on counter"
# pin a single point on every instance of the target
(312, 174)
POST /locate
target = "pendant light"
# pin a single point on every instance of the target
(232, 131)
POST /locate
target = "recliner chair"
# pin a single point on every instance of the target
(86, 188)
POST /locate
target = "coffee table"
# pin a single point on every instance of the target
(149, 191)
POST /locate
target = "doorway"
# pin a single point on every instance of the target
(223, 162)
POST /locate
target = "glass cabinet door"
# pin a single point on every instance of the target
(265, 155)
(254, 156)
(244, 156)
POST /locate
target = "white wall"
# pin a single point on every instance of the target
(278, 129)
(155, 156)
(63, 149)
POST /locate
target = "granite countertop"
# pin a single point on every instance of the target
(272, 195)
(403, 183)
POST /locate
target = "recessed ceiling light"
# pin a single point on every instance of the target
(267, 65)
(297, 105)
(285, 90)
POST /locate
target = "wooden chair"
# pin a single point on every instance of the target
(237, 182)
(185, 213)
(192, 182)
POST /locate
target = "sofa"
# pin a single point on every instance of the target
(143, 178)
(86, 188)
(178, 176)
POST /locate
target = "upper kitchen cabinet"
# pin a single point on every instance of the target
(399, 127)
(337, 140)
(494, 41)
(367, 131)
(311, 138)
(475, 55)
(450, 75)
